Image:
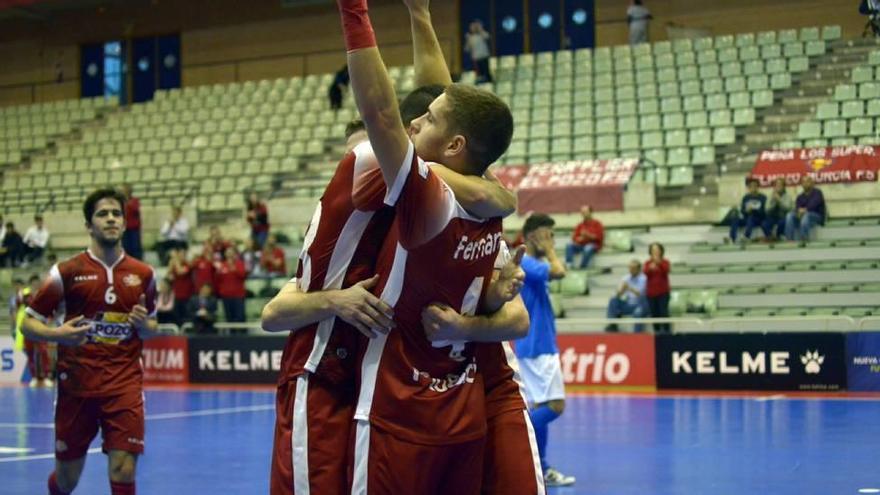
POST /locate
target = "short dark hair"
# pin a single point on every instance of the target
(415, 104)
(752, 180)
(484, 120)
(536, 221)
(34, 278)
(103, 193)
(38, 217)
(353, 127)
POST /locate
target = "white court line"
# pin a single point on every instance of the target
(149, 417)
(624, 395)
(770, 397)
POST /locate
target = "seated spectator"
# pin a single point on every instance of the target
(203, 268)
(809, 211)
(751, 212)
(11, 247)
(180, 274)
(230, 276)
(587, 239)
(203, 309)
(630, 297)
(165, 304)
(174, 234)
(35, 240)
(657, 285)
(778, 206)
(272, 259)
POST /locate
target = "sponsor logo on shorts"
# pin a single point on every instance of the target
(451, 380)
(131, 280)
(136, 441)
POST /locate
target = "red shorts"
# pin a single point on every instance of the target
(77, 419)
(386, 465)
(511, 465)
(39, 360)
(313, 420)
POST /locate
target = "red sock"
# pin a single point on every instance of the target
(119, 488)
(356, 25)
(53, 486)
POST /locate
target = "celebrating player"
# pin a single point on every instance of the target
(109, 302)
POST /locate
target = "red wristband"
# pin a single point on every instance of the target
(356, 27)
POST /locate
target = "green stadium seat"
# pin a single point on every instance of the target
(834, 128)
(701, 136)
(765, 38)
(869, 91)
(743, 116)
(831, 33)
(852, 108)
(719, 118)
(703, 155)
(673, 120)
(723, 135)
(845, 92)
(798, 64)
(678, 157)
(809, 130)
(809, 34)
(677, 303)
(862, 74)
(828, 110)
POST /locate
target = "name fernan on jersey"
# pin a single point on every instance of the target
(478, 248)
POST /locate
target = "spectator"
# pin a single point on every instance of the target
(778, 206)
(203, 309)
(217, 243)
(203, 268)
(587, 239)
(11, 248)
(751, 212)
(258, 218)
(630, 297)
(2, 228)
(165, 308)
(339, 84)
(272, 259)
(230, 276)
(638, 16)
(131, 238)
(251, 257)
(35, 240)
(809, 211)
(39, 359)
(174, 234)
(13, 301)
(657, 285)
(180, 274)
(871, 8)
(477, 45)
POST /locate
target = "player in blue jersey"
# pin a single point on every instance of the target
(537, 352)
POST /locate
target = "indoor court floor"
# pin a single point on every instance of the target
(218, 441)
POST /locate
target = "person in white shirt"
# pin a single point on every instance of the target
(35, 240)
(174, 234)
(637, 15)
(629, 300)
(2, 228)
(477, 44)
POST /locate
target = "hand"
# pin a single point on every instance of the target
(358, 307)
(511, 277)
(801, 211)
(544, 239)
(443, 323)
(73, 331)
(138, 317)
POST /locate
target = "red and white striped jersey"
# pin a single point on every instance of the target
(434, 252)
(340, 249)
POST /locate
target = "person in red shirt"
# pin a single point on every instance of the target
(180, 273)
(230, 275)
(587, 239)
(258, 218)
(109, 300)
(272, 259)
(657, 286)
(217, 243)
(131, 238)
(203, 268)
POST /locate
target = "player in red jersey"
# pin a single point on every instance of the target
(108, 299)
(437, 251)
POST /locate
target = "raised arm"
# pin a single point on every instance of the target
(373, 92)
(483, 197)
(430, 65)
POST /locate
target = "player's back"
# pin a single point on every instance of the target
(340, 249)
(109, 361)
(435, 253)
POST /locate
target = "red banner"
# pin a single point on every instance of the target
(565, 187)
(832, 165)
(608, 359)
(166, 360)
(511, 175)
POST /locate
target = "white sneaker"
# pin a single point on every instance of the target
(34, 383)
(48, 382)
(553, 477)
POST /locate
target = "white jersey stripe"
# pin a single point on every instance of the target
(306, 278)
(536, 458)
(361, 458)
(370, 365)
(300, 438)
(393, 192)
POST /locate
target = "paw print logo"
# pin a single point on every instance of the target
(812, 362)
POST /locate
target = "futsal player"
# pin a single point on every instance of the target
(537, 352)
(109, 302)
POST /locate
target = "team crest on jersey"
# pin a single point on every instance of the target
(110, 328)
(131, 280)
